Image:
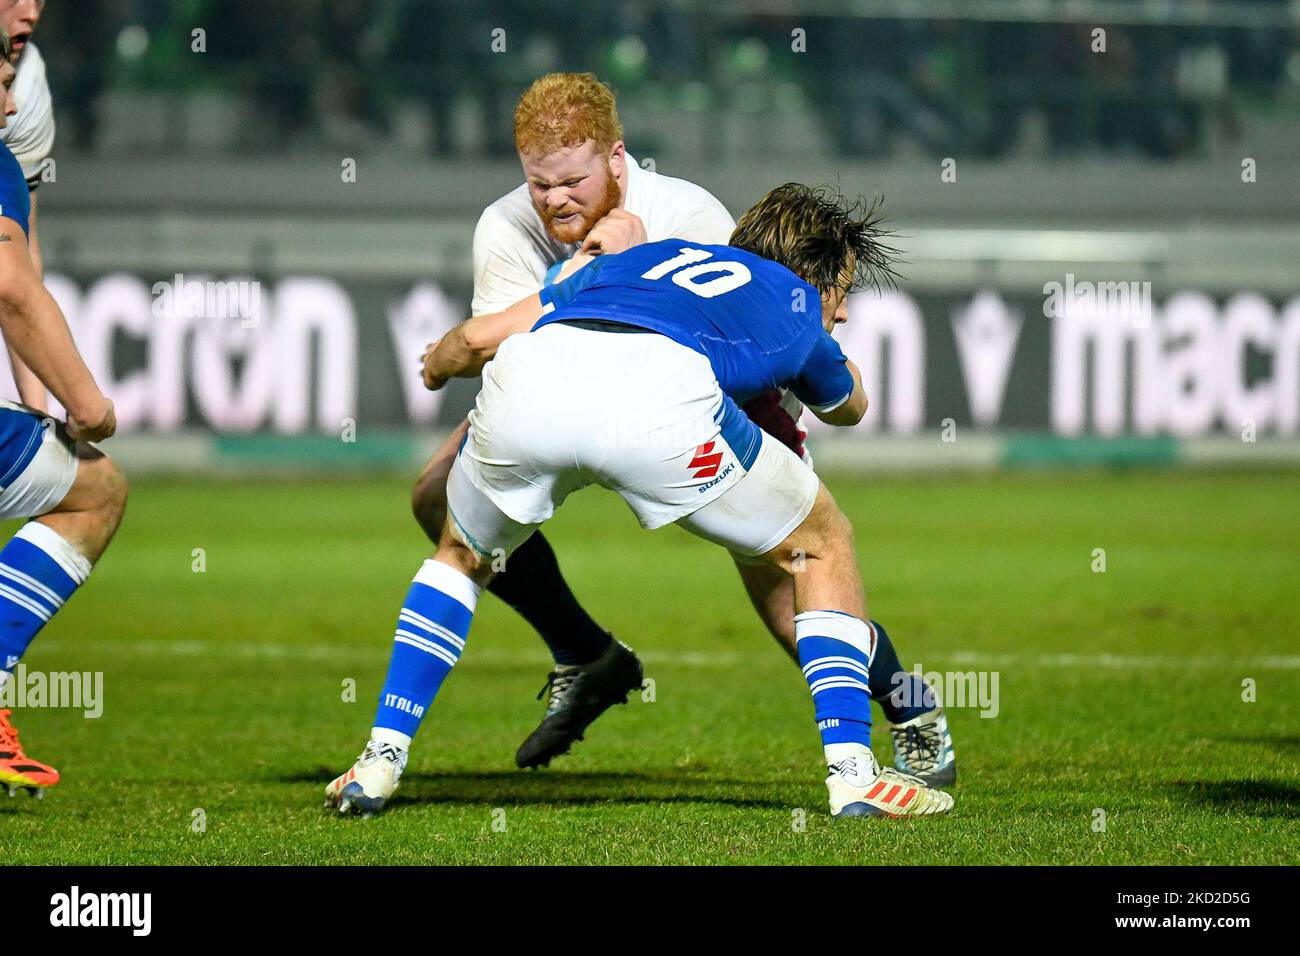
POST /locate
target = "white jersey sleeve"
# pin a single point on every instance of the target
(30, 132)
(711, 226)
(507, 267)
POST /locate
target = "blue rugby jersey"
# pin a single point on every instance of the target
(15, 197)
(757, 323)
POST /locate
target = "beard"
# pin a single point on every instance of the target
(576, 229)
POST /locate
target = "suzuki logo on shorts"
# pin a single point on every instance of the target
(706, 460)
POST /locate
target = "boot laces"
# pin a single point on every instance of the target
(918, 745)
(558, 683)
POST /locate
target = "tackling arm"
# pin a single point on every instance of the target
(463, 351)
(36, 331)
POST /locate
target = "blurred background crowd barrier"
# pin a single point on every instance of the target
(1100, 228)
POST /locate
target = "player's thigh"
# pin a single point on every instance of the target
(516, 464)
(478, 518)
(826, 534)
(761, 510)
(431, 486)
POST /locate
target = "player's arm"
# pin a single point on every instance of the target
(36, 331)
(831, 385)
(851, 410)
(31, 390)
(463, 351)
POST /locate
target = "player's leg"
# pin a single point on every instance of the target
(514, 468)
(79, 496)
(922, 743)
(432, 627)
(592, 670)
(917, 722)
(537, 590)
(780, 510)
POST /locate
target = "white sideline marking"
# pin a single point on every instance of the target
(372, 649)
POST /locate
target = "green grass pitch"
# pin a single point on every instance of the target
(224, 710)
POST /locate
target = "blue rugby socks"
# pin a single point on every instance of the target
(835, 652)
(39, 571)
(901, 694)
(431, 631)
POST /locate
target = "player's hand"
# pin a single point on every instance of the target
(432, 380)
(619, 231)
(106, 425)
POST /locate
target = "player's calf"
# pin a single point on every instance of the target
(834, 641)
(432, 628)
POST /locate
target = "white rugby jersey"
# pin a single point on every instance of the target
(512, 250)
(30, 132)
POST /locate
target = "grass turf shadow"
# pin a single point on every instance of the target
(1282, 743)
(521, 788)
(1255, 798)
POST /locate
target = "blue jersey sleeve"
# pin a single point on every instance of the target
(15, 197)
(825, 383)
(562, 293)
(553, 273)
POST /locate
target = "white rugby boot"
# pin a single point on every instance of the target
(860, 787)
(371, 781)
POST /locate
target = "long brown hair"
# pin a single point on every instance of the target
(823, 237)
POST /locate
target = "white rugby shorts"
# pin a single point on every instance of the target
(634, 412)
(38, 462)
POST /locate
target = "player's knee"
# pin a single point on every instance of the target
(825, 535)
(107, 489)
(455, 551)
(116, 491)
